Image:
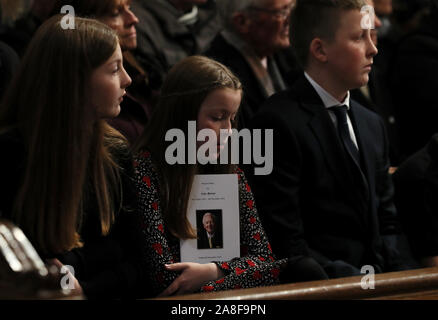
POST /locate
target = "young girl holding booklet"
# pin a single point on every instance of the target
(202, 90)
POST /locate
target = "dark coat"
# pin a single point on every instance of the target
(416, 186)
(380, 101)
(414, 84)
(9, 63)
(313, 203)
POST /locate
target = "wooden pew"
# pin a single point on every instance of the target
(418, 284)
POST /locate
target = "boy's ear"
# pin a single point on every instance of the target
(240, 22)
(318, 50)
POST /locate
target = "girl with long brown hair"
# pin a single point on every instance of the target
(137, 107)
(65, 173)
(202, 90)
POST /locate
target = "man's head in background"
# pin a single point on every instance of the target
(262, 24)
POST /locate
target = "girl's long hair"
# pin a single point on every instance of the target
(185, 88)
(67, 151)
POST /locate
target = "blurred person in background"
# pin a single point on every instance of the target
(21, 18)
(413, 81)
(170, 30)
(255, 32)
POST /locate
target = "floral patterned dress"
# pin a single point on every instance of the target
(256, 266)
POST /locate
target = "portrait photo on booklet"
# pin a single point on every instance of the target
(209, 228)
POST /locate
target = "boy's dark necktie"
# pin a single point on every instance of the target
(358, 175)
(344, 133)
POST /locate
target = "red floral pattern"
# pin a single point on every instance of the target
(255, 267)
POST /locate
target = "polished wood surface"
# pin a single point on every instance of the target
(419, 284)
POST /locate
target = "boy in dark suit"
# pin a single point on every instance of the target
(330, 194)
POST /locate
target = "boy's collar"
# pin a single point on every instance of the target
(328, 100)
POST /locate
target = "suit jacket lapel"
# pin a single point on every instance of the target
(324, 130)
(361, 129)
(366, 150)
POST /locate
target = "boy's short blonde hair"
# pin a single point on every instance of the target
(317, 18)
